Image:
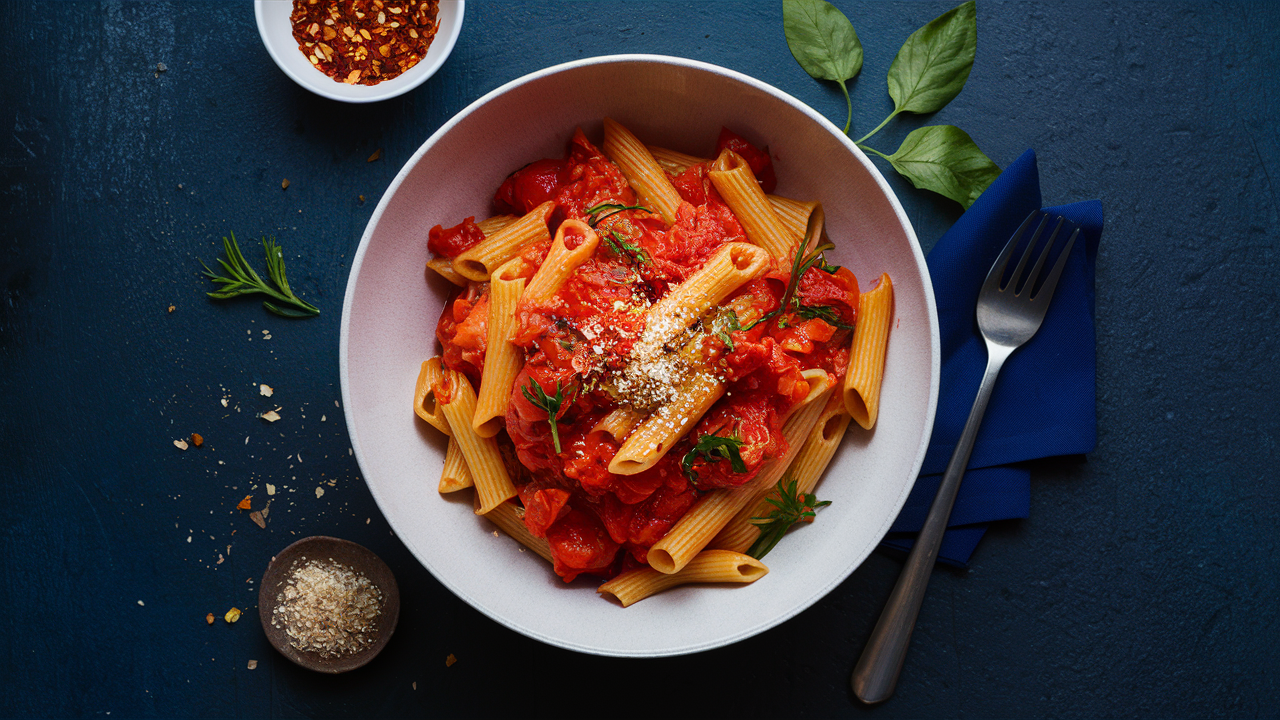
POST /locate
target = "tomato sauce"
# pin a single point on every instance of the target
(596, 522)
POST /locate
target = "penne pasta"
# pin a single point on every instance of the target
(489, 226)
(740, 533)
(643, 172)
(654, 437)
(443, 266)
(735, 182)
(619, 423)
(502, 360)
(733, 265)
(478, 262)
(424, 397)
(710, 566)
(794, 214)
(492, 482)
(673, 162)
(456, 475)
(575, 242)
(866, 359)
(510, 519)
(715, 509)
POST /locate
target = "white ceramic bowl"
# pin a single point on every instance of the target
(390, 314)
(277, 35)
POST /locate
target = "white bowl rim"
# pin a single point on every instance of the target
(376, 93)
(926, 283)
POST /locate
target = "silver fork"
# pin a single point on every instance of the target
(1008, 315)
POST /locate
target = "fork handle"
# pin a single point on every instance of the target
(876, 673)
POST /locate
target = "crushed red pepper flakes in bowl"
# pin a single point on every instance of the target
(363, 42)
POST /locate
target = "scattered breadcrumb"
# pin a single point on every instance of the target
(197, 439)
(171, 308)
(257, 519)
(209, 618)
(141, 603)
(245, 503)
(271, 489)
(232, 615)
(284, 184)
(269, 416)
(253, 664)
(319, 492)
(265, 390)
(376, 155)
(180, 444)
(415, 685)
(449, 661)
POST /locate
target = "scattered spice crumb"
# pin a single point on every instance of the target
(258, 520)
(265, 390)
(495, 534)
(375, 156)
(172, 308)
(180, 444)
(197, 439)
(269, 416)
(209, 618)
(245, 503)
(319, 492)
(415, 686)
(141, 603)
(284, 184)
(449, 661)
(253, 665)
(271, 489)
(361, 197)
(232, 615)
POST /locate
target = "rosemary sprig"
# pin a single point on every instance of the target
(549, 403)
(712, 448)
(826, 313)
(789, 509)
(626, 249)
(244, 281)
(613, 208)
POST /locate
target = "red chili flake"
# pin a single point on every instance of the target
(244, 504)
(363, 42)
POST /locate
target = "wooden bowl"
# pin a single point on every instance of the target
(345, 552)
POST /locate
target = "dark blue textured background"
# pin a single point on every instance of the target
(1143, 584)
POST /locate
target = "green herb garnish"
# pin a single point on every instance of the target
(244, 280)
(548, 403)
(724, 324)
(799, 266)
(825, 313)
(626, 249)
(712, 448)
(929, 71)
(789, 509)
(613, 208)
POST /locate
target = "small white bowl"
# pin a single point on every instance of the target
(389, 319)
(277, 35)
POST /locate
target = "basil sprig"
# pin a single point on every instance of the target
(929, 71)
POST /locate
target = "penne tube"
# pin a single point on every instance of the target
(714, 510)
(735, 182)
(443, 266)
(478, 262)
(710, 566)
(619, 423)
(654, 437)
(424, 397)
(502, 360)
(673, 162)
(794, 214)
(866, 359)
(489, 226)
(815, 453)
(642, 172)
(509, 518)
(456, 474)
(492, 483)
(733, 265)
(575, 242)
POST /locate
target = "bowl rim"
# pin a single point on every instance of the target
(376, 93)
(905, 222)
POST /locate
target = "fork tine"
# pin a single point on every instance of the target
(1026, 254)
(1046, 290)
(997, 269)
(1030, 282)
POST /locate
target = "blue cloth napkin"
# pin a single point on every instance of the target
(1043, 404)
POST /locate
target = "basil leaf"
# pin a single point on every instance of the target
(944, 159)
(934, 63)
(824, 42)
